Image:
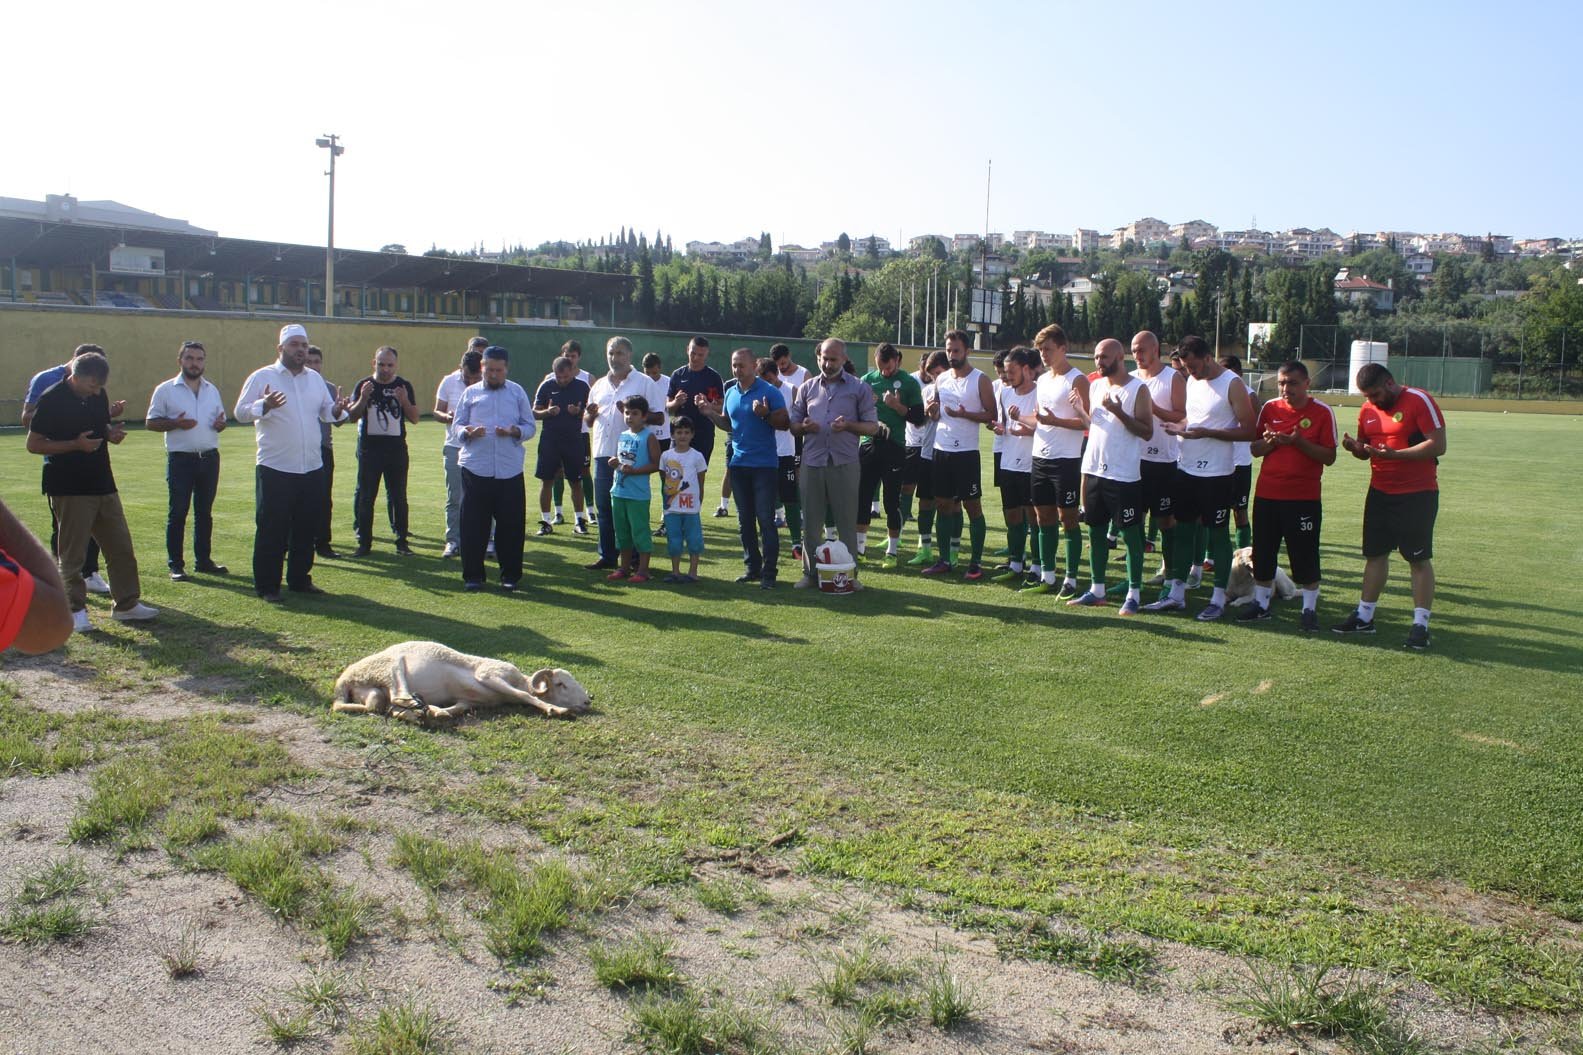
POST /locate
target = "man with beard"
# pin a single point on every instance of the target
(384, 404)
(286, 402)
(493, 419)
(964, 400)
(604, 415)
(189, 411)
(1019, 409)
(1057, 478)
(830, 412)
(1167, 395)
(1120, 421)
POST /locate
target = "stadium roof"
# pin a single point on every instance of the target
(45, 244)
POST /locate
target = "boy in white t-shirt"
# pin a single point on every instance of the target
(682, 470)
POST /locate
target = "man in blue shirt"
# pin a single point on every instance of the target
(492, 419)
(752, 410)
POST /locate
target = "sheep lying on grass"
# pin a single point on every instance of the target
(422, 682)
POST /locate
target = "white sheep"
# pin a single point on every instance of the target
(423, 681)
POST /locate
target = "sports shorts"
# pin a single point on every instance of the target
(1405, 523)
(1159, 481)
(1107, 502)
(918, 471)
(1292, 521)
(957, 475)
(564, 456)
(1057, 482)
(1016, 489)
(786, 480)
(1202, 499)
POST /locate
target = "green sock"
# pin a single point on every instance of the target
(1015, 535)
(925, 523)
(1186, 547)
(1220, 549)
(588, 489)
(1134, 539)
(1244, 536)
(1074, 552)
(906, 507)
(1098, 552)
(1034, 548)
(977, 529)
(1049, 545)
(559, 490)
(1154, 528)
(958, 522)
(794, 522)
(1200, 543)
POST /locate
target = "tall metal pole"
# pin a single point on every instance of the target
(329, 142)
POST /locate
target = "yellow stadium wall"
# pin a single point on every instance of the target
(142, 347)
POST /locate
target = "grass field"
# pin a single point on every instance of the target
(992, 756)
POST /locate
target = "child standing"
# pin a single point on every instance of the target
(637, 457)
(682, 469)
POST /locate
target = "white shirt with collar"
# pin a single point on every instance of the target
(174, 399)
(288, 436)
(609, 425)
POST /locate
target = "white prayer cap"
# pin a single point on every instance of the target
(295, 329)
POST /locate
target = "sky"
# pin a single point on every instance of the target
(504, 123)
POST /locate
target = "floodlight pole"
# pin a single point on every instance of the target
(336, 150)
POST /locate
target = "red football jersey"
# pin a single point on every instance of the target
(16, 593)
(1287, 474)
(1406, 423)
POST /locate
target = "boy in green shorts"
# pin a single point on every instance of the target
(637, 457)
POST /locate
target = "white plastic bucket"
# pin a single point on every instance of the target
(836, 578)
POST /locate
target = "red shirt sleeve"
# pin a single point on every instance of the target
(16, 594)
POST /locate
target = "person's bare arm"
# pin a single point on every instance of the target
(47, 624)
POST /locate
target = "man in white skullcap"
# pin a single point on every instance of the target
(286, 401)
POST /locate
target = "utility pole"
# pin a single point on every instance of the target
(329, 142)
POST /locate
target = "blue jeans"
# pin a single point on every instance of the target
(755, 490)
(604, 479)
(193, 479)
(453, 497)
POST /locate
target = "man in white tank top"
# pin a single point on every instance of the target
(1057, 479)
(1242, 485)
(964, 401)
(1167, 398)
(917, 473)
(1120, 423)
(1018, 409)
(1219, 413)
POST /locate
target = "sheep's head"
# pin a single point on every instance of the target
(558, 688)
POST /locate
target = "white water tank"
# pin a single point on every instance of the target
(1363, 353)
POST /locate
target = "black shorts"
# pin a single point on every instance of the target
(1241, 486)
(880, 463)
(995, 477)
(1016, 489)
(1159, 480)
(1295, 522)
(786, 480)
(1058, 482)
(559, 457)
(704, 444)
(1405, 523)
(1202, 499)
(919, 472)
(957, 476)
(1107, 502)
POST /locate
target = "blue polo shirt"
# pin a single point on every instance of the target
(752, 437)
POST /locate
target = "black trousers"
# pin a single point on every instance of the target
(882, 464)
(193, 479)
(379, 460)
(321, 534)
(289, 513)
(489, 501)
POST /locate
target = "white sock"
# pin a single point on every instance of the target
(829, 534)
(1035, 569)
(544, 517)
(1262, 595)
(1069, 582)
(1366, 610)
(862, 539)
(924, 540)
(1420, 617)
(725, 503)
(891, 546)
(1218, 598)
(1310, 600)
(1178, 590)
(1199, 568)
(873, 511)
(1097, 589)
(1015, 565)
(558, 511)
(1049, 576)
(1134, 594)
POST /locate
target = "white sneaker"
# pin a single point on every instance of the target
(451, 549)
(138, 613)
(1195, 576)
(96, 584)
(79, 621)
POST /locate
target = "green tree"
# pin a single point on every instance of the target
(843, 244)
(644, 294)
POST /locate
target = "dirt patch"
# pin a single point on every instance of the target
(110, 991)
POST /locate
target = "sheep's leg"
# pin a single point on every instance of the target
(451, 713)
(370, 699)
(506, 689)
(403, 704)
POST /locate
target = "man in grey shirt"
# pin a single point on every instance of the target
(830, 412)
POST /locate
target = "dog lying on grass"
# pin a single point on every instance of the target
(1239, 589)
(423, 682)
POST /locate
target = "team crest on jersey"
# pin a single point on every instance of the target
(1397, 417)
(1306, 423)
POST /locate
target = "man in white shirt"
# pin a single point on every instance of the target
(189, 411)
(285, 402)
(605, 400)
(493, 419)
(449, 394)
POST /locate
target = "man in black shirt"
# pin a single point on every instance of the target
(384, 404)
(692, 385)
(558, 405)
(69, 428)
